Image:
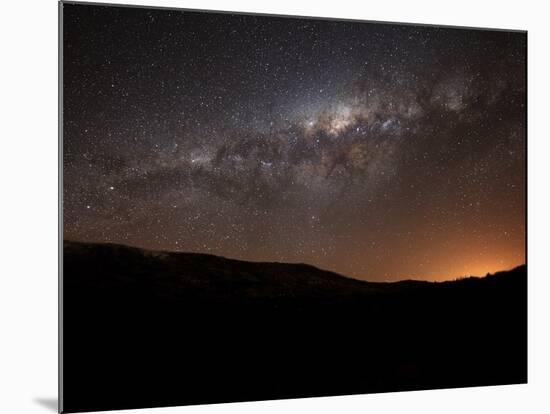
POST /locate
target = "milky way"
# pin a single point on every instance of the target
(379, 151)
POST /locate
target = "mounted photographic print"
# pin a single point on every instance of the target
(263, 207)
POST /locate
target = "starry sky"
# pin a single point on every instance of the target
(379, 151)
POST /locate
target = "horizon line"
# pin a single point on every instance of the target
(455, 278)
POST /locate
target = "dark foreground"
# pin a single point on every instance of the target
(143, 329)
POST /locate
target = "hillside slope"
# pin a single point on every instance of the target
(144, 329)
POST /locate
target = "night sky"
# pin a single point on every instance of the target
(381, 152)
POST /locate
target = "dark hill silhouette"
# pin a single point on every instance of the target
(144, 329)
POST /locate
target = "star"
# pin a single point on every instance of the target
(362, 148)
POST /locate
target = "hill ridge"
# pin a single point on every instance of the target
(164, 253)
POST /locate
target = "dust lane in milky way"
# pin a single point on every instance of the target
(379, 151)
